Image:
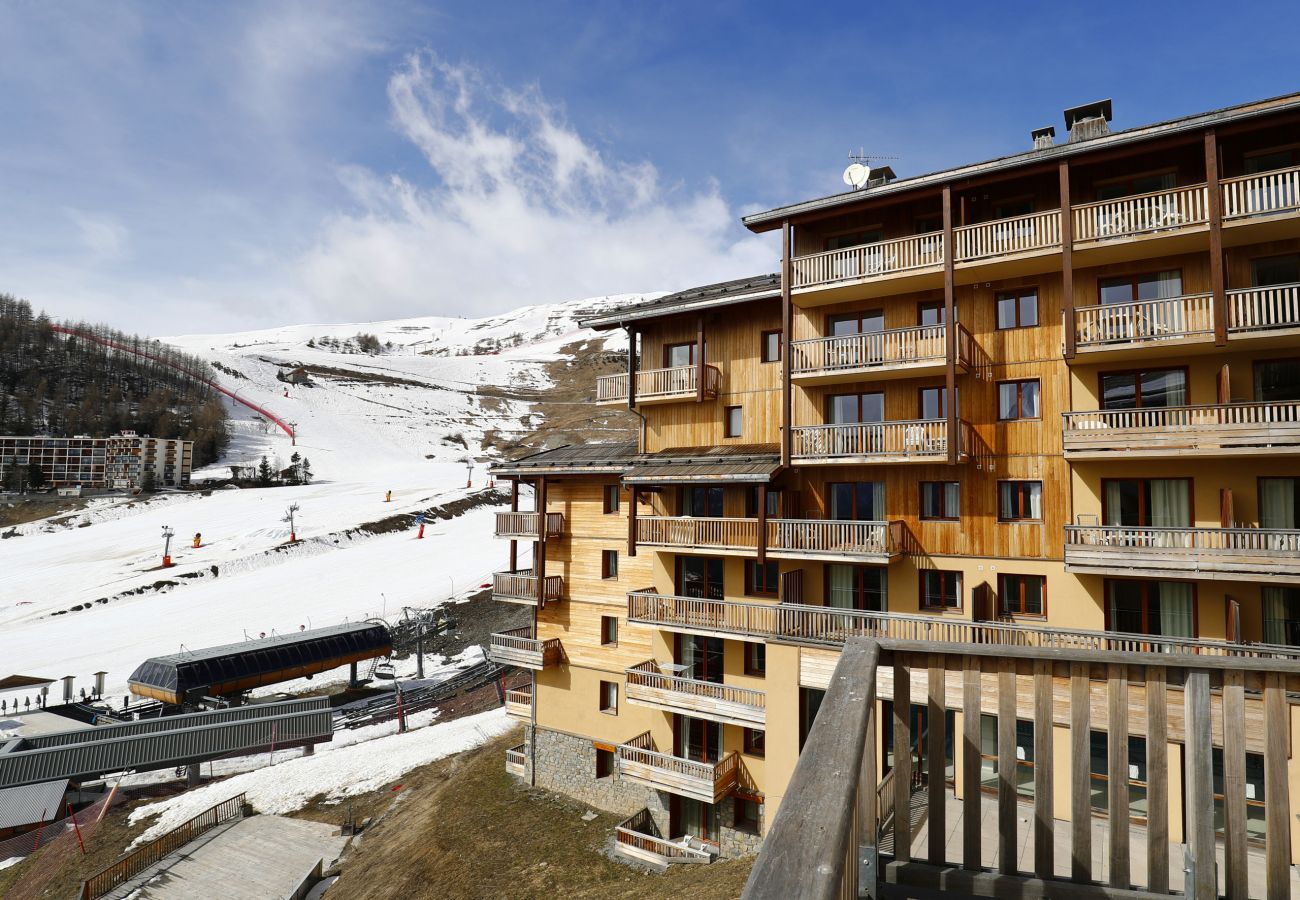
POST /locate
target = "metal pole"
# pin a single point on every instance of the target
(419, 652)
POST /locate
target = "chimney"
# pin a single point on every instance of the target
(67, 688)
(99, 683)
(1043, 137)
(881, 175)
(1088, 121)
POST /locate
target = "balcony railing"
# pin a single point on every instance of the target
(1249, 554)
(519, 703)
(659, 385)
(520, 586)
(1261, 194)
(893, 349)
(648, 685)
(1167, 319)
(788, 538)
(1006, 237)
(708, 782)
(915, 441)
(876, 260)
(638, 838)
(518, 647)
(833, 626)
(517, 761)
(1171, 430)
(1263, 309)
(697, 532)
(1141, 214)
(526, 525)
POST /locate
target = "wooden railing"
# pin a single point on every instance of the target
(638, 832)
(137, 861)
(901, 347)
(705, 781)
(525, 524)
(1003, 237)
(1262, 193)
(519, 702)
(833, 626)
(649, 675)
(658, 384)
(1144, 320)
(518, 646)
(868, 260)
(1156, 429)
(919, 439)
(1141, 214)
(1263, 309)
(697, 531)
(517, 760)
(521, 584)
(850, 537)
(1241, 540)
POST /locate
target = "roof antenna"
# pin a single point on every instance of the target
(858, 174)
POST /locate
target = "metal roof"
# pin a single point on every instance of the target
(22, 682)
(279, 640)
(766, 221)
(31, 804)
(733, 462)
(587, 459)
(724, 293)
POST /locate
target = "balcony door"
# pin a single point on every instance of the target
(1163, 608)
(702, 657)
(702, 501)
(699, 576)
(695, 818)
(676, 355)
(1282, 616)
(1279, 499)
(852, 409)
(856, 501)
(1270, 271)
(697, 739)
(1144, 389)
(847, 352)
(1139, 311)
(932, 403)
(857, 587)
(1147, 502)
(1277, 380)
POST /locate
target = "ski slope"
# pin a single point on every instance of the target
(87, 593)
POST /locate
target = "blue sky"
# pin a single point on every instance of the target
(180, 167)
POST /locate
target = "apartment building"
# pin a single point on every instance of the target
(120, 461)
(1049, 400)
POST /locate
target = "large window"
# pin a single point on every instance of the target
(854, 239)
(810, 701)
(847, 409)
(1019, 399)
(755, 659)
(1020, 501)
(866, 322)
(1277, 380)
(697, 739)
(702, 501)
(1282, 616)
(856, 501)
(1279, 499)
(1147, 502)
(1099, 766)
(1254, 794)
(940, 589)
(761, 581)
(676, 355)
(1022, 595)
(1274, 270)
(1142, 389)
(773, 503)
(1115, 188)
(857, 587)
(930, 312)
(1150, 319)
(701, 657)
(699, 576)
(1163, 608)
(1018, 309)
(933, 403)
(940, 500)
(1023, 777)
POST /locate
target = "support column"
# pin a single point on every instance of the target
(1214, 196)
(787, 334)
(631, 521)
(950, 327)
(539, 558)
(631, 367)
(1067, 260)
(699, 359)
(352, 675)
(762, 524)
(192, 776)
(514, 507)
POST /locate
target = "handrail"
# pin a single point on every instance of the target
(651, 384)
(1261, 193)
(521, 584)
(1165, 417)
(723, 533)
(869, 349)
(1141, 213)
(1002, 237)
(137, 861)
(1145, 320)
(1263, 308)
(848, 536)
(918, 438)
(638, 830)
(648, 674)
(1266, 540)
(527, 524)
(868, 260)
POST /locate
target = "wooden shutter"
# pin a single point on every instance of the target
(792, 586)
(1233, 608)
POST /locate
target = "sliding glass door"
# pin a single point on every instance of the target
(1163, 608)
(1147, 502)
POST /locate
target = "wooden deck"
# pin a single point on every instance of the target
(521, 586)
(518, 647)
(725, 703)
(526, 525)
(1218, 554)
(655, 386)
(639, 761)
(814, 539)
(1216, 430)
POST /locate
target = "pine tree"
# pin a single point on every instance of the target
(295, 468)
(264, 472)
(149, 481)
(305, 471)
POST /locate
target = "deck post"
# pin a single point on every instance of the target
(950, 327)
(699, 358)
(631, 367)
(631, 520)
(514, 507)
(1067, 260)
(1202, 882)
(1214, 209)
(787, 334)
(762, 524)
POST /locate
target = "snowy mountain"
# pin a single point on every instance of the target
(85, 592)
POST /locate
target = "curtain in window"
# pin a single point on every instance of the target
(1277, 503)
(1282, 616)
(1167, 318)
(1115, 502)
(875, 505)
(841, 592)
(952, 499)
(1169, 503)
(1034, 498)
(1175, 608)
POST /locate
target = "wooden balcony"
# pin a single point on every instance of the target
(868, 270)
(1119, 229)
(1265, 316)
(525, 525)
(1126, 330)
(860, 541)
(636, 838)
(517, 761)
(519, 703)
(1004, 248)
(654, 386)
(1218, 554)
(832, 626)
(919, 441)
(1230, 429)
(894, 353)
(638, 761)
(648, 685)
(518, 647)
(1254, 203)
(521, 587)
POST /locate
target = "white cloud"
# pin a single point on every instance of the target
(103, 236)
(520, 208)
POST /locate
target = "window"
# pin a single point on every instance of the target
(699, 576)
(1272, 159)
(847, 409)
(1006, 209)
(735, 421)
(612, 493)
(1282, 616)
(1018, 309)
(604, 763)
(854, 239)
(1136, 184)
(773, 503)
(1023, 778)
(1022, 595)
(702, 501)
(696, 739)
(747, 811)
(1150, 607)
(1134, 315)
(609, 564)
(934, 403)
(857, 501)
(940, 589)
(756, 659)
(771, 346)
(1020, 501)
(1277, 380)
(930, 312)
(940, 500)
(609, 631)
(676, 355)
(810, 701)
(1018, 400)
(754, 742)
(609, 697)
(1274, 270)
(857, 587)
(1136, 765)
(1279, 499)
(1254, 788)
(1147, 502)
(701, 657)
(845, 324)
(1144, 388)
(761, 581)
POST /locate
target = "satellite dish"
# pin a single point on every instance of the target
(857, 175)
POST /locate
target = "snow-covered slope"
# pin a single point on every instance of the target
(86, 593)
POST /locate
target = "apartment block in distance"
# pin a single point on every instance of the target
(1046, 400)
(120, 461)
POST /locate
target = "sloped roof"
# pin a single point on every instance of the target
(31, 804)
(724, 293)
(22, 682)
(733, 462)
(588, 459)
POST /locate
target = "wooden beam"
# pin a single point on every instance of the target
(1080, 775)
(787, 329)
(935, 776)
(699, 358)
(762, 524)
(631, 521)
(1236, 879)
(1277, 801)
(514, 507)
(1117, 775)
(631, 366)
(1157, 779)
(1044, 841)
(950, 326)
(1199, 788)
(1067, 259)
(1219, 299)
(539, 554)
(1008, 845)
(902, 757)
(970, 764)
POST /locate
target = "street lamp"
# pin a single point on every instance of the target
(288, 517)
(167, 546)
